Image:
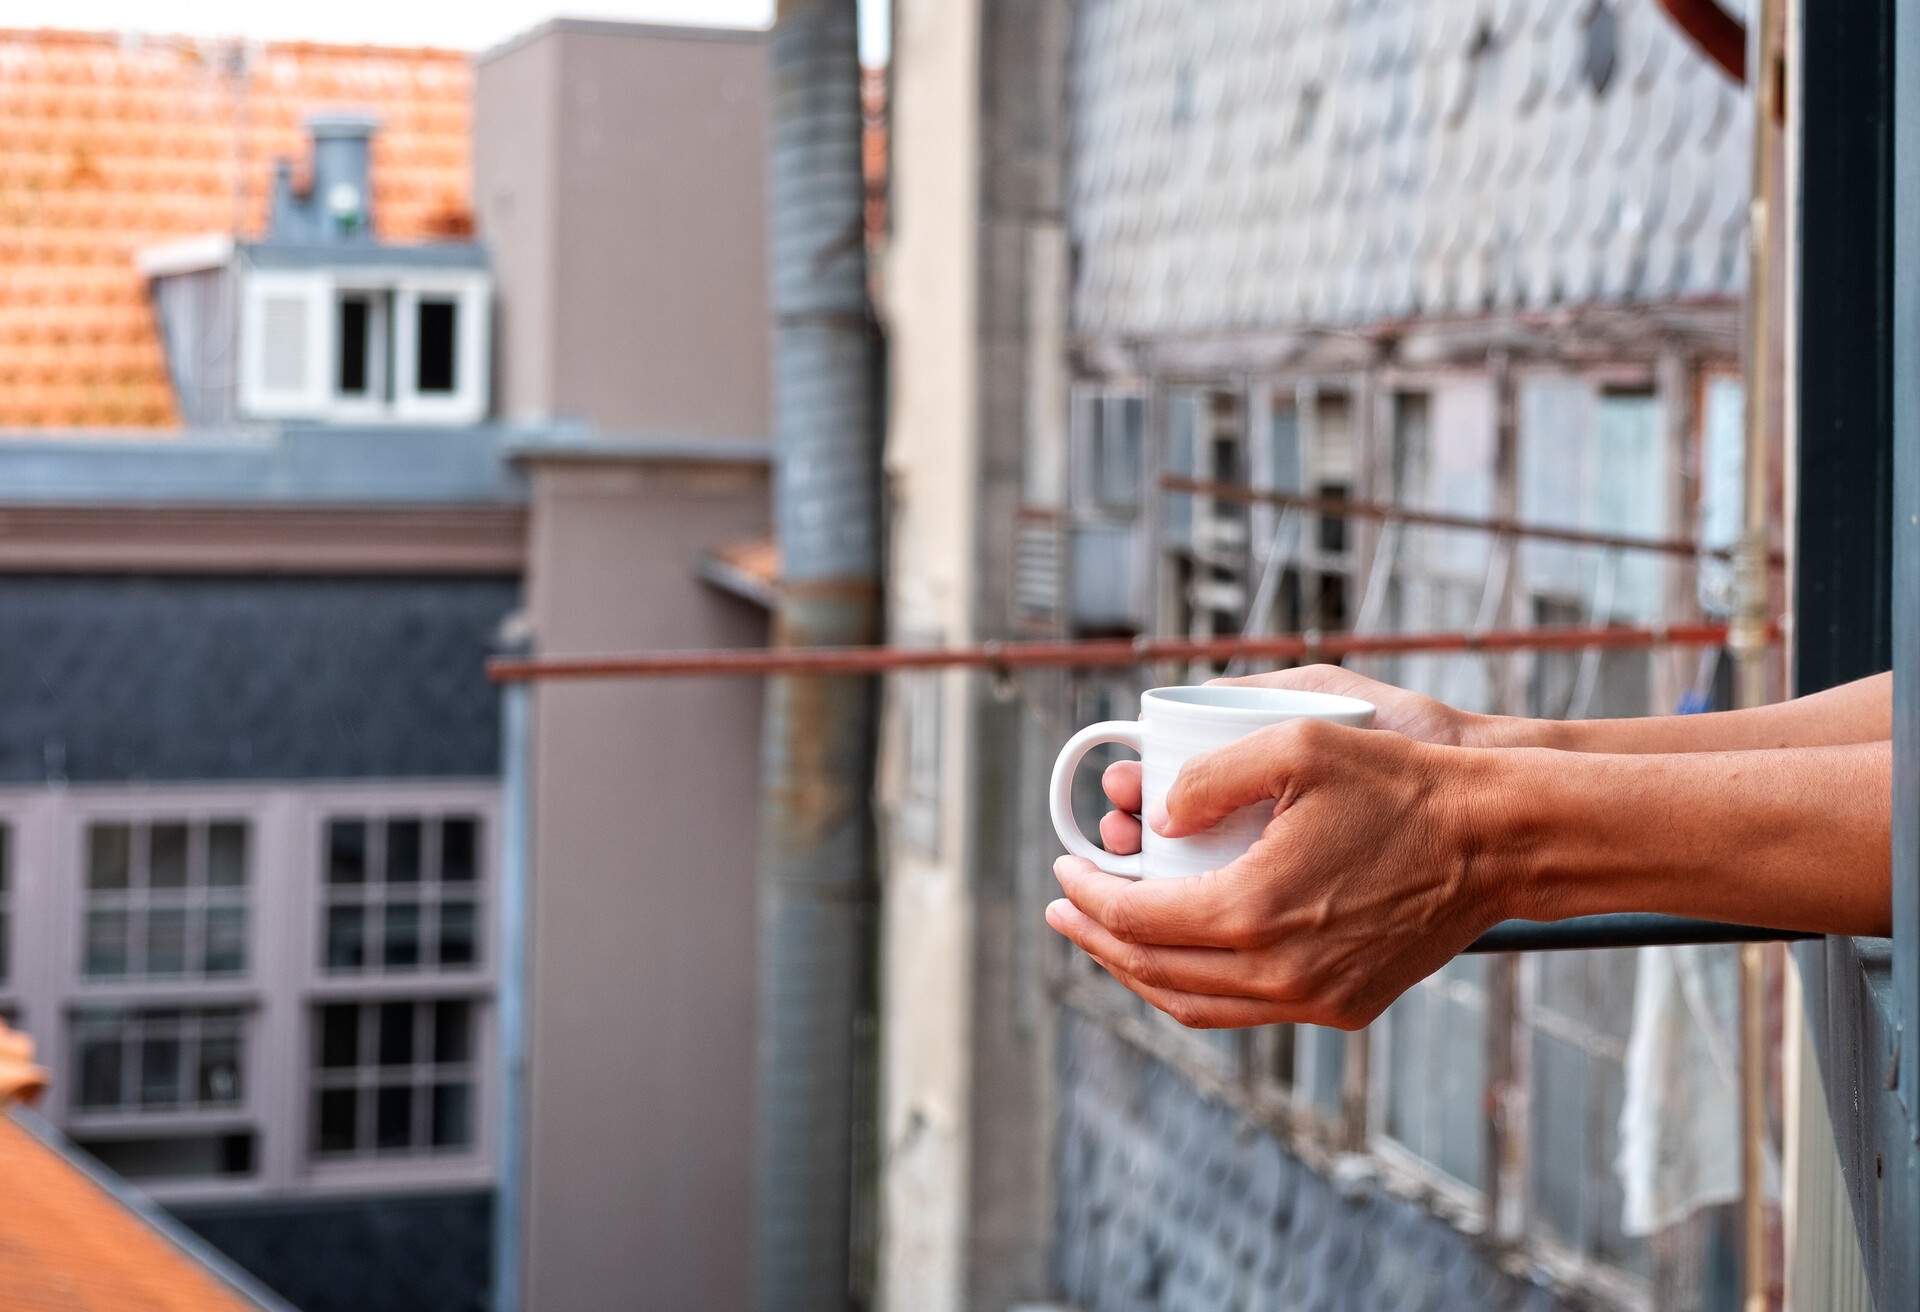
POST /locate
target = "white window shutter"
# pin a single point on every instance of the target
(286, 344)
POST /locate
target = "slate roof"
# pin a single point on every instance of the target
(110, 144)
(1246, 165)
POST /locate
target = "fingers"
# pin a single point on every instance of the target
(1199, 911)
(1216, 972)
(1305, 678)
(1121, 783)
(1259, 767)
(1120, 833)
(1198, 1011)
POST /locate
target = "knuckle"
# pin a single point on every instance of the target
(1145, 965)
(1185, 1011)
(1122, 921)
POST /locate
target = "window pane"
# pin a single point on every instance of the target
(403, 851)
(338, 1120)
(219, 1081)
(452, 1116)
(159, 1072)
(346, 938)
(346, 851)
(457, 933)
(339, 1035)
(166, 941)
(354, 313)
(393, 1116)
(434, 371)
(452, 1034)
(106, 943)
(167, 856)
(396, 1033)
(459, 849)
(402, 945)
(108, 848)
(100, 1071)
(227, 853)
(226, 941)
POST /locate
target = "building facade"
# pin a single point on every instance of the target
(1219, 270)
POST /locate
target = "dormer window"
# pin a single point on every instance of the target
(353, 344)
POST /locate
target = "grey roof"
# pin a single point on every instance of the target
(297, 464)
(1249, 165)
(396, 255)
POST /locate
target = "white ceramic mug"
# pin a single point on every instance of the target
(1174, 725)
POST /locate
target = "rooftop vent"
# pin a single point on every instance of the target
(338, 205)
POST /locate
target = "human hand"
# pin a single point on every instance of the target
(1364, 883)
(1410, 714)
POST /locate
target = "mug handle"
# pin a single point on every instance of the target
(1060, 799)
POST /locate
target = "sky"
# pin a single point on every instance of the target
(459, 24)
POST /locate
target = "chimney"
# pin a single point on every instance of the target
(338, 206)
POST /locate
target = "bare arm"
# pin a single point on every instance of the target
(1857, 712)
(1387, 855)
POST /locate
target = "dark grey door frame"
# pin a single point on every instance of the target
(1857, 563)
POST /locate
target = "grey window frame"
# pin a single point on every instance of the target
(428, 894)
(196, 898)
(1856, 246)
(368, 1075)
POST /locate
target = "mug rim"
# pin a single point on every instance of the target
(1269, 703)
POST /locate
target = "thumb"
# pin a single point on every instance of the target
(1259, 767)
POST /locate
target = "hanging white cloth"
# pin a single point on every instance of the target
(1680, 1119)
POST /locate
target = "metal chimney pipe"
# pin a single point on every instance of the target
(341, 201)
(816, 883)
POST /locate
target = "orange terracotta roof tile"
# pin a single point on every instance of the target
(68, 1244)
(110, 144)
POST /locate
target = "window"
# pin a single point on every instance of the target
(401, 894)
(158, 1059)
(165, 898)
(434, 345)
(1109, 433)
(359, 345)
(173, 1156)
(394, 1077)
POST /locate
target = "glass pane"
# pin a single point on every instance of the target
(108, 859)
(346, 851)
(457, 932)
(160, 1072)
(459, 849)
(167, 856)
(434, 371)
(219, 1081)
(452, 1115)
(337, 1120)
(402, 943)
(396, 1033)
(166, 941)
(346, 938)
(106, 943)
(354, 313)
(100, 1071)
(452, 1035)
(227, 853)
(403, 851)
(339, 1035)
(393, 1116)
(226, 941)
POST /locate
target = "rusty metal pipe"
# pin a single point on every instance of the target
(1097, 653)
(1341, 506)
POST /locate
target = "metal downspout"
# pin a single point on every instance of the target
(514, 864)
(816, 883)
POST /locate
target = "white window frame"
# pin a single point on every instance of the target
(312, 397)
(318, 396)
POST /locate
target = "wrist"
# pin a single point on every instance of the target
(1510, 731)
(1501, 828)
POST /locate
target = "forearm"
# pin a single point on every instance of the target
(1792, 839)
(1858, 712)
